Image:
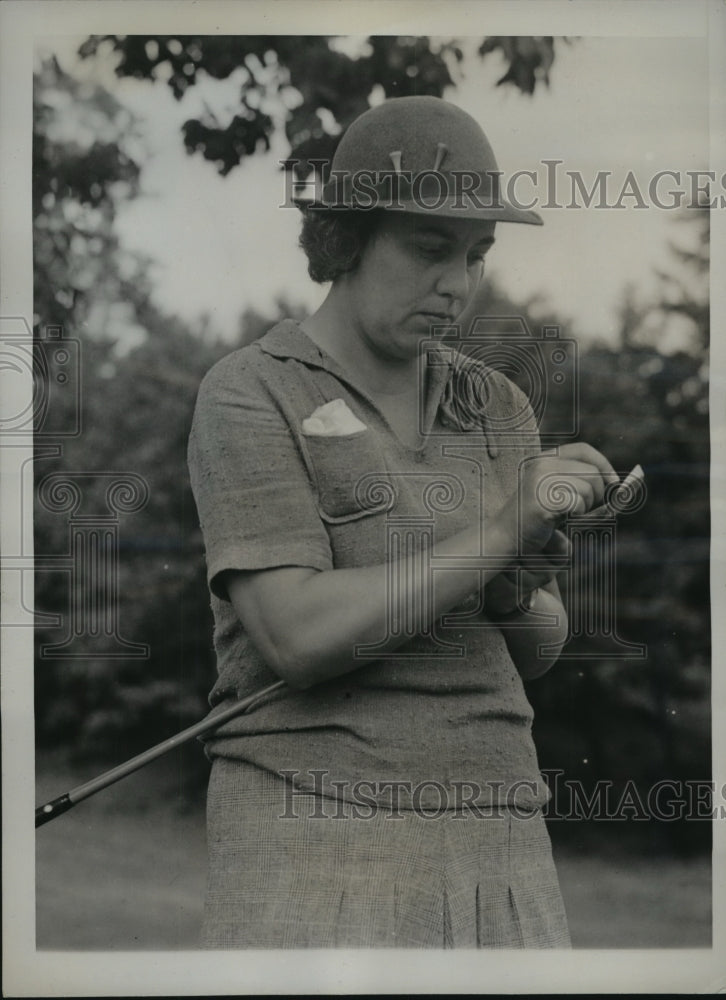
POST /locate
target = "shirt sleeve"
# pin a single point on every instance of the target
(531, 443)
(257, 508)
(510, 403)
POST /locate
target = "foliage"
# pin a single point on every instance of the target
(135, 411)
(311, 76)
(529, 60)
(77, 180)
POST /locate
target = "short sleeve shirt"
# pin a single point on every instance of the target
(448, 705)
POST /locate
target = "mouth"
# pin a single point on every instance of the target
(436, 317)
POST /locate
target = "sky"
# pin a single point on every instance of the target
(221, 245)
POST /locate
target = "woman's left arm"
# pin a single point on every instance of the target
(520, 599)
(525, 632)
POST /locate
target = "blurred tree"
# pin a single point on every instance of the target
(640, 402)
(254, 324)
(86, 284)
(137, 414)
(317, 83)
(684, 286)
(80, 171)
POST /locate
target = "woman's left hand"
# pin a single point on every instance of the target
(511, 588)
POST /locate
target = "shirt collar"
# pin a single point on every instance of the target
(287, 340)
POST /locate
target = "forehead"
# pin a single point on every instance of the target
(468, 231)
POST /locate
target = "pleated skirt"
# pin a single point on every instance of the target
(315, 876)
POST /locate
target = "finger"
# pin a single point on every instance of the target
(582, 452)
(535, 572)
(579, 473)
(559, 548)
(529, 580)
(554, 469)
(589, 484)
(586, 490)
(578, 463)
(575, 495)
(558, 552)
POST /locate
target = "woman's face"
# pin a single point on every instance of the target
(416, 271)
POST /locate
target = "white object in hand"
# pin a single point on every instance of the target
(333, 419)
(623, 492)
(630, 480)
(626, 488)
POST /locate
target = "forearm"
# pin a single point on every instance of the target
(307, 624)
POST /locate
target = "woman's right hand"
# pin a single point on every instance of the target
(554, 484)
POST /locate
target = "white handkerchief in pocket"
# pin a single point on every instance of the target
(332, 419)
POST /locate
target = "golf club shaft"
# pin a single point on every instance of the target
(49, 811)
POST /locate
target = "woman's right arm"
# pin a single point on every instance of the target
(307, 623)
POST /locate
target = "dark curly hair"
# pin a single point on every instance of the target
(334, 239)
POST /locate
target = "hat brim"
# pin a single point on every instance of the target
(452, 209)
(449, 208)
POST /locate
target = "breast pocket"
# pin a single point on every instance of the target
(349, 475)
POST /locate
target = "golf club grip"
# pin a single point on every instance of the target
(47, 812)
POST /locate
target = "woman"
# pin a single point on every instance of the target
(367, 501)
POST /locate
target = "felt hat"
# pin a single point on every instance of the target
(422, 155)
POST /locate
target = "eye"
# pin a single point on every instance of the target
(431, 248)
(476, 259)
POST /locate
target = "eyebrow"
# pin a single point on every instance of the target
(432, 229)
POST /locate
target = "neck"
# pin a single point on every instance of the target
(334, 330)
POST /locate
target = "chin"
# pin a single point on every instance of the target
(408, 352)
(420, 328)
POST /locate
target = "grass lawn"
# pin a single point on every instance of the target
(125, 870)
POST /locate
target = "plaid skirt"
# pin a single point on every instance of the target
(313, 875)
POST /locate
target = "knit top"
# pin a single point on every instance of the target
(445, 714)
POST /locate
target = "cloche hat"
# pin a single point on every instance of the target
(418, 154)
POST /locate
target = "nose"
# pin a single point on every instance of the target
(454, 280)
